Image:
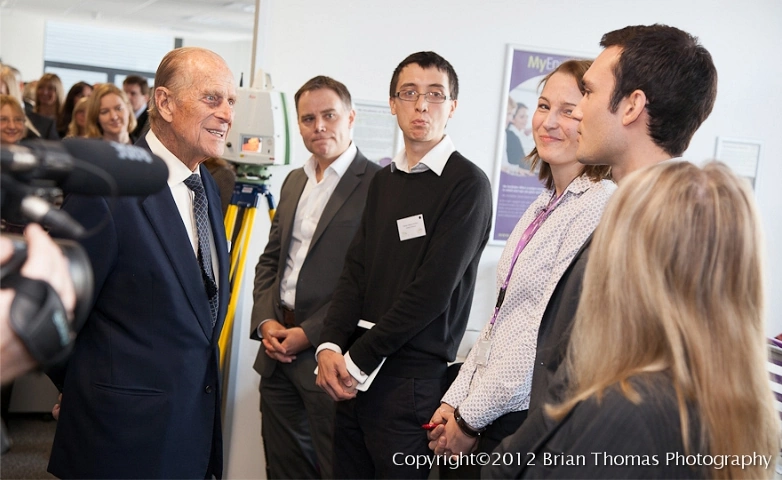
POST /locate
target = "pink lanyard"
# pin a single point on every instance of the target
(523, 241)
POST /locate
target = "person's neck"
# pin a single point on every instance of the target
(645, 155)
(563, 175)
(415, 151)
(169, 140)
(321, 164)
(122, 137)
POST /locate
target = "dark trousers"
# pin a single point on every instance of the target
(297, 421)
(379, 429)
(488, 441)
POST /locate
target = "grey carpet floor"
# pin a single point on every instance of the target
(31, 436)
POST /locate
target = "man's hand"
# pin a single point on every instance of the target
(56, 408)
(333, 376)
(454, 441)
(435, 434)
(45, 261)
(287, 343)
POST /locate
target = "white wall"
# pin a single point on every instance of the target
(360, 43)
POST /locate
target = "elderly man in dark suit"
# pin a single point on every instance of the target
(141, 394)
(320, 209)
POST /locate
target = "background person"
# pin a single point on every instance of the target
(49, 96)
(12, 120)
(492, 388)
(108, 114)
(137, 90)
(78, 91)
(38, 126)
(78, 126)
(668, 351)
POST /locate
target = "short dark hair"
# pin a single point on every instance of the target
(576, 69)
(322, 81)
(137, 80)
(427, 60)
(675, 72)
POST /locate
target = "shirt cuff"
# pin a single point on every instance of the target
(327, 346)
(258, 328)
(354, 370)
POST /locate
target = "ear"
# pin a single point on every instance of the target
(633, 106)
(351, 118)
(164, 102)
(453, 108)
(392, 104)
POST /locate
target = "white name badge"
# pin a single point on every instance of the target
(411, 227)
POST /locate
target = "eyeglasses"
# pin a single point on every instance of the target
(431, 97)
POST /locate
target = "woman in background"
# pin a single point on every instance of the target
(37, 126)
(108, 114)
(491, 394)
(12, 120)
(49, 96)
(668, 353)
(77, 92)
(78, 125)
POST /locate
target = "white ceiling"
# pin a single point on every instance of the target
(217, 19)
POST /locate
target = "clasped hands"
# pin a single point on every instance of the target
(282, 344)
(447, 438)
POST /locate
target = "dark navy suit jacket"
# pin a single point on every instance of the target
(141, 394)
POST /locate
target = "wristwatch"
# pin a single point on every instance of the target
(466, 429)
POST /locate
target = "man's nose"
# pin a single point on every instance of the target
(421, 104)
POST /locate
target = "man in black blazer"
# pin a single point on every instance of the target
(319, 211)
(137, 90)
(141, 394)
(644, 97)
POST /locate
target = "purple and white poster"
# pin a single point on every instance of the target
(515, 186)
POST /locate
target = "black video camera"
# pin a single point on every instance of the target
(34, 175)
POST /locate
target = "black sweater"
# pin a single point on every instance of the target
(417, 291)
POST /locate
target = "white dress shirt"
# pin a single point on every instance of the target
(311, 204)
(183, 196)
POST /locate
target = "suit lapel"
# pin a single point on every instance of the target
(349, 181)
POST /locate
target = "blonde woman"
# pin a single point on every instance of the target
(12, 120)
(108, 114)
(78, 125)
(49, 96)
(667, 358)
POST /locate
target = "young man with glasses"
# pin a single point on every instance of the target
(404, 297)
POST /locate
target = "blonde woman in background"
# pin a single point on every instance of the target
(49, 96)
(78, 125)
(37, 126)
(12, 120)
(667, 356)
(108, 114)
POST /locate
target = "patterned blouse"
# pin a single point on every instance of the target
(484, 393)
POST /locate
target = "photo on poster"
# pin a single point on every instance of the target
(515, 186)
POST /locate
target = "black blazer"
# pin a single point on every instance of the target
(322, 266)
(141, 397)
(598, 437)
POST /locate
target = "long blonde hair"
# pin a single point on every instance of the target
(54, 80)
(93, 128)
(74, 129)
(674, 283)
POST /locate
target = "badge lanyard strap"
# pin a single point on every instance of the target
(523, 241)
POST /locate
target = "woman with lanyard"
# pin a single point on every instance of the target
(490, 396)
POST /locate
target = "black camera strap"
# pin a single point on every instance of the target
(39, 318)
